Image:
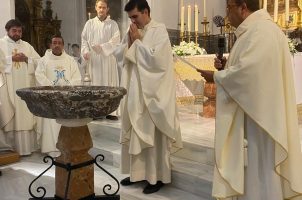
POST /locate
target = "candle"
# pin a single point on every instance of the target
(89, 15)
(286, 10)
(189, 18)
(276, 11)
(182, 19)
(196, 18)
(265, 4)
(204, 9)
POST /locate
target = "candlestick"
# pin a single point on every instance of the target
(196, 18)
(189, 18)
(205, 26)
(276, 11)
(182, 19)
(265, 4)
(89, 15)
(286, 10)
(196, 37)
(204, 9)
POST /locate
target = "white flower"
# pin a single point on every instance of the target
(188, 49)
(292, 45)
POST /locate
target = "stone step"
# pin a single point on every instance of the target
(190, 176)
(196, 148)
(193, 175)
(192, 166)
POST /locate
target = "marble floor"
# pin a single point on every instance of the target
(16, 177)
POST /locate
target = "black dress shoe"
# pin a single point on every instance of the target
(112, 117)
(149, 189)
(126, 182)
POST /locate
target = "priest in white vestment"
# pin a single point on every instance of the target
(6, 110)
(99, 38)
(150, 125)
(257, 144)
(55, 68)
(18, 72)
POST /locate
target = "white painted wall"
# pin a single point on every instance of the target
(73, 16)
(7, 10)
(167, 11)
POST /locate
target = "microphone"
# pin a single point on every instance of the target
(221, 46)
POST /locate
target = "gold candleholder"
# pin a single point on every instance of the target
(189, 36)
(205, 24)
(182, 35)
(196, 37)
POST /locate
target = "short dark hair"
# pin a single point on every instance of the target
(141, 5)
(252, 5)
(57, 36)
(13, 22)
(75, 45)
(104, 1)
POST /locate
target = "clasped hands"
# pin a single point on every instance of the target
(19, 57)
(209, 75)
(133, 34)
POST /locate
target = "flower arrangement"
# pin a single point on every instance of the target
(292, 46)
(188, 49)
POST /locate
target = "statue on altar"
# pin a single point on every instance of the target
(47, 12)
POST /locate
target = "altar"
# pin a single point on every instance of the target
(190, 84)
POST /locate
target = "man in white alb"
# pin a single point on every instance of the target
(55, 68)
(257, 143)
(150, 125)
(99, 38)
(6, 110)
(18, 72)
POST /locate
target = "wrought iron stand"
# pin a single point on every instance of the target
(74, 178)
(68, 167)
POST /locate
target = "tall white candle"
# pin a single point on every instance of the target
(286, 10)
(276, 10)
(196, 18)
(189, 18)
(89, 15)
(265, 4)
(204, 9)
(182, 19)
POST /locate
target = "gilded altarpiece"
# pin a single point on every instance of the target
(295, 13)
(39, 23)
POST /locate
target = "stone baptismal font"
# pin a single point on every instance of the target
(73, 107)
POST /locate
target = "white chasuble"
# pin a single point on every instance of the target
(54, 70)
(150, 126)
(19, 75)
(255, 96)
(99, 39)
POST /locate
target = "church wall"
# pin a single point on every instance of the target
(168, 12)
(73, 16)
(7, 10)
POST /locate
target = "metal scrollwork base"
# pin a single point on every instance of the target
(42, 191)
